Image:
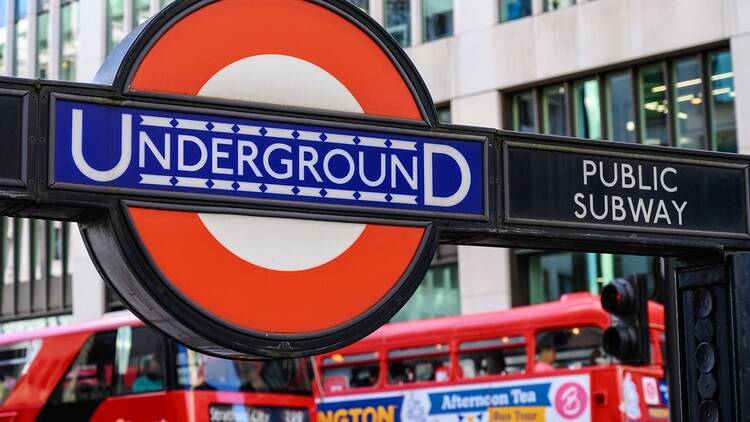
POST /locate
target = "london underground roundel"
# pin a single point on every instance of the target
(271, 178)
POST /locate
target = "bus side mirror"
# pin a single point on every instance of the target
(627, 338)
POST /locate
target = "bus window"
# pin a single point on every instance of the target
(90, 376)
(14, 362)
(342, 372)
(419, 364)
(504, 355)
(569, 348)
(196, 371)
(139, 361)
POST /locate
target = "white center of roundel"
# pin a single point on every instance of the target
(282, 244)
(280, 80)
(279, 243)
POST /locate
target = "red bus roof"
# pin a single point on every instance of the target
(108, 322)
(575, 308)
(583, 308)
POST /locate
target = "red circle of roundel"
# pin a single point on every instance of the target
(209, 39)
(189, 255)
(254, 297)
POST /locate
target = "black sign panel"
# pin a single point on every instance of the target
(573, 186)
(12, 129)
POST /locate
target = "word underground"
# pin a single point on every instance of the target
(638, 178)
(148, 149)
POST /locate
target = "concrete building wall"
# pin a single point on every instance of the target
(487, 56)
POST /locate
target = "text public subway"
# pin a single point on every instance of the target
(632, 198)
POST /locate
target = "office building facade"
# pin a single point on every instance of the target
(634, 71)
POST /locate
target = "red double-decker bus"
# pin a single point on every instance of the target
(120, 370)
(534, 363)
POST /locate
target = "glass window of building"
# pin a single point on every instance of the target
(115, 23)
(514, 9)
(362, 4)
(691, 110)
(554, 110)
(654, 107)
(620, 109)
(3, 24)
(57, 235)
(723, 127)
(444, 113)
(8, 271)
(550, 275)
(524, 112)
(42, 39)
(557, 4)
(164, 3)
(142, 11)
(21, 39)
(587, 106)
(438, 295)
(688, 99)
(34, 256)
(37, 260)
(437, 19)
(69, 39)
(397, 20)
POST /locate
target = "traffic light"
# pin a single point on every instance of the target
(627, 338)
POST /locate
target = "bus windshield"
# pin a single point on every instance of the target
(196, 371)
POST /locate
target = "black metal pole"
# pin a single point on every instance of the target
(706, 306)
(739, 271)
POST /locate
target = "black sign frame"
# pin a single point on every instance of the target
(600, 237)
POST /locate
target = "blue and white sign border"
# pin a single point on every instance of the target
(365, 125)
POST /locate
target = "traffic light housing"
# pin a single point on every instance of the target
(627, 338)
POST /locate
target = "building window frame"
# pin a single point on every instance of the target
(39, 284)
(69, 52)
(43, 64)
(666, 64)
(503, 14)
(445, 261)
(547, 7)
(115, 22)
(427, 36)
(444, 112)
(600, 269)
(403, 28)
(21, 27)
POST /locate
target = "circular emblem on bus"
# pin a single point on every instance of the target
(571, 400)
(254, 195)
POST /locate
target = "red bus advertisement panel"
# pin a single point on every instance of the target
(533, 399)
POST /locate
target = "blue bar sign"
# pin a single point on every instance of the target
(143, 149)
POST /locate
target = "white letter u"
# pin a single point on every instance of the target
(77, 146)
